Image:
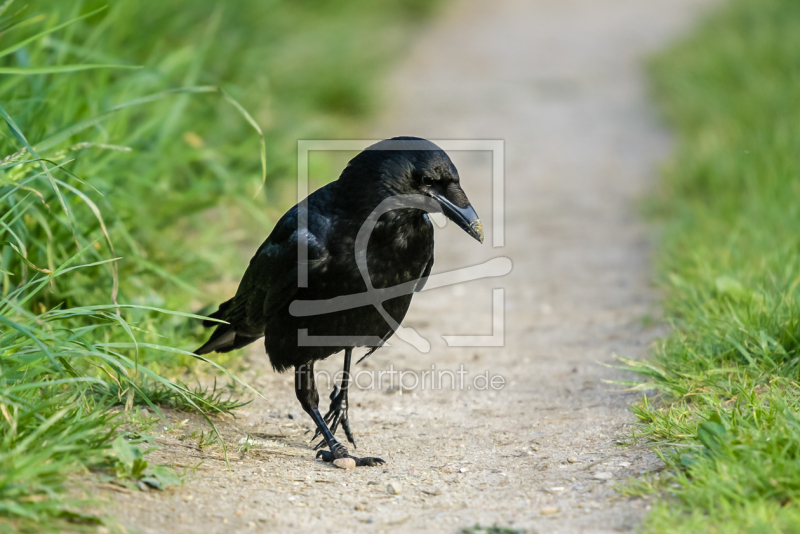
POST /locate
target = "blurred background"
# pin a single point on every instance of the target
(177, 176)
(147, 148)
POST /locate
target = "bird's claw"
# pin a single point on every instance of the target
(342, 453)
(337, 413)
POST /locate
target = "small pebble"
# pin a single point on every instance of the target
(624, 464)
(462, 470)
(603, 475)
(394, 488)
(549, 510)
(373, 483)
(345, 463)
(572, 460)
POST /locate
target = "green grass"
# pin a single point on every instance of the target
(178, 178)
(132, 186)
(727, 416)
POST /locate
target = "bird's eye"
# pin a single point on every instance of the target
(427, 180)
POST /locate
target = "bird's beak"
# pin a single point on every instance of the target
(465, 217)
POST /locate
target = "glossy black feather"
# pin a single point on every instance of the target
(400, 250)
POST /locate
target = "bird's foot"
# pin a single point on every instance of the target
(341, 452)
(337, 413)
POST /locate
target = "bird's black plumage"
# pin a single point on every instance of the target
(399, 251)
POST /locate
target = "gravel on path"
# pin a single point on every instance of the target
(560, 82)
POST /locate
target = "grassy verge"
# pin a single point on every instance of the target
(131, 177)
(727, 419)
(177, 175)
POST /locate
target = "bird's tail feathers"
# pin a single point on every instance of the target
(219, 314)
(225, 339)
(217, 342)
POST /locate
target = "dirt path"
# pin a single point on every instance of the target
(560, 82)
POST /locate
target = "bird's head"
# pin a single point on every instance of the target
(410, 165)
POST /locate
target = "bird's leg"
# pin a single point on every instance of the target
(337, 412)
(306, 391)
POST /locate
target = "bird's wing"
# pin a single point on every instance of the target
(426, 272)
(271, 279)
(424, 278)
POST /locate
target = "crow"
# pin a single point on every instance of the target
(353, 253)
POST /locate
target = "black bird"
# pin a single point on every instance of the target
(401, 178)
